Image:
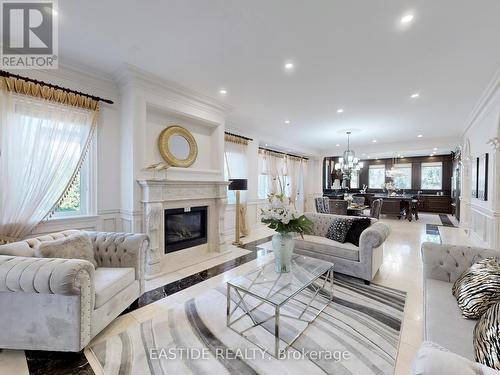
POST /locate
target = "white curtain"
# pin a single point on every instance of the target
(273, 167)
(42, 146)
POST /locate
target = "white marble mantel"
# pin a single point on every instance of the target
(159, 195)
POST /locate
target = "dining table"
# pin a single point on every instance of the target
(356, 209)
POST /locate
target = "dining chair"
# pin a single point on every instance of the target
(376, 208)
(338, 206)
(322, 205)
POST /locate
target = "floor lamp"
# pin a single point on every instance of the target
(237, 185)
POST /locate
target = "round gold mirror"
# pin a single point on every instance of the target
(177, 146)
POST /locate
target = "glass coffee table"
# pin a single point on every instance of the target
(272, 310)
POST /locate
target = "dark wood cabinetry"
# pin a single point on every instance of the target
(435, 203)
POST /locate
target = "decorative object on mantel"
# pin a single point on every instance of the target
(156, 167)
(349, 162)
(237, 184)
(282, 216)
(178, 146)
(482, 177)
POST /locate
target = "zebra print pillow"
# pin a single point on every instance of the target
(478, 288)
(487, 338)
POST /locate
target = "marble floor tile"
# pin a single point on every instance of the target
(13, 362)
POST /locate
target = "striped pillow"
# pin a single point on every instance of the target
(478, 288)
(487, 338)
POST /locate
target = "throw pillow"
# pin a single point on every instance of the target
(432, 359)
(487, 338)
(357, 227)
(478, 288)
(338, 229)
(75, 246)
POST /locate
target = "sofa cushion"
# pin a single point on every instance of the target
(75, 246)
(487, 338)
(443, 321)
(329, 247)
(357, 227)
(432, 359)
(338, 229)
(478, 288)
(109, 281)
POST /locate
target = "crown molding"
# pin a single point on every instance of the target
(131, 75)
(486, 99)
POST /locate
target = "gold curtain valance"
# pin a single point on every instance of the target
(23, 87)
(281, 155)
(235, 139)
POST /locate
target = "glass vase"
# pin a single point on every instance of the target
(283, 245)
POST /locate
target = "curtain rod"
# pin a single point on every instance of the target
(4, 73)
(283, 153)
(239, 136)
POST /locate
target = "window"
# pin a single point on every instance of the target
(235, 166)
(262, 186)
(431, 176)
(402, 178)
(77, 200)
(376, 176)
(355, 180)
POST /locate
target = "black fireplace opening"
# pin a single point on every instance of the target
(185, 228)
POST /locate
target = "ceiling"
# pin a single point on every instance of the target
(350, 54)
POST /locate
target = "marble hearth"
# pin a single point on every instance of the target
(159, 195)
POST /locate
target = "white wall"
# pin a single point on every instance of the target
(482, 218)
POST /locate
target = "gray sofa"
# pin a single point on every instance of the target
(362, 262)
(443, 321)
(61, 304)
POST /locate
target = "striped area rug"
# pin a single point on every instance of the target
(358, 333)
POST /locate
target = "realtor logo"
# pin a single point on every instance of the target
(29, 34)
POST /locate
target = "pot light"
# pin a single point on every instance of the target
(435, 149)
(407, 18)
(340, 110)
(415, 95)
(374, 141)
(289, 66)
(338, 145)
(287, 122)
(223, 91)
(420, 136)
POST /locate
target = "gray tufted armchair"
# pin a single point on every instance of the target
(61, 304)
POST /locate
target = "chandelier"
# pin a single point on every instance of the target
(348, 163)
(393, 172)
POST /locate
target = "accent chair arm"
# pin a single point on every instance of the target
(448, 262)
(113, 249)
(46, 275)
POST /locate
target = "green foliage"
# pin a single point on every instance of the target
(72, 200)
(301, 225)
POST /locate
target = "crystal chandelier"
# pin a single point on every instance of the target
(393, 172)
(349, 162)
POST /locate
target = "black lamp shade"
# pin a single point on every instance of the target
(238, 184)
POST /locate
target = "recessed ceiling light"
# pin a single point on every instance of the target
(289, 66)
(368, 156)
(266, 144)
(420, 136)
(223, 91)
(287, 122)
(407, 18)
(374, 141)
(431, 155)
(415, 95)
(435, 149)
(340, 110)
(338, 145)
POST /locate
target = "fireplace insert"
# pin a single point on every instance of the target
(185, 228)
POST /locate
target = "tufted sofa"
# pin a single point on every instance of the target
(443, 321)
(362, 262)
(61, 304)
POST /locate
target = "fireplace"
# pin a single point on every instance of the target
(185, 227)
